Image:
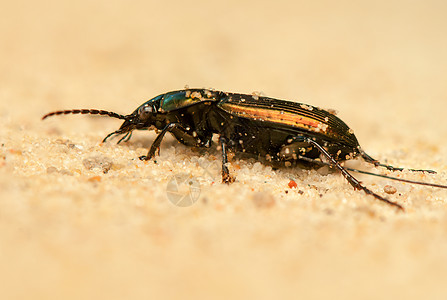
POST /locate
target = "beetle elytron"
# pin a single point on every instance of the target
(279, 131)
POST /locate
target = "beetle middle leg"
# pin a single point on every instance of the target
(226, 177)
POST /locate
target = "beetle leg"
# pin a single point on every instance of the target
(192, 138)
(375, 162)
(156, 144)
(351, 179)
(226, 177)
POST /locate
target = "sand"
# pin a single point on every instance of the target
(80, 219)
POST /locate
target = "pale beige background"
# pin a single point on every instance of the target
(67, 232)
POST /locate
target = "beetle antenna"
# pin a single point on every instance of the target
(85, 112)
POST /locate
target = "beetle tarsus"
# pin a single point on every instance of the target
(226, 177)
(369, 192)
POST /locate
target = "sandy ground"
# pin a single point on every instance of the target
(85, 220)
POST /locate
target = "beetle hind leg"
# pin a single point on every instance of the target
(375, 162)
(351, 179)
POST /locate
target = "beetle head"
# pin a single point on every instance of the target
(142, 118)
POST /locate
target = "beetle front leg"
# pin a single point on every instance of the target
(226, 177)
(156, 144)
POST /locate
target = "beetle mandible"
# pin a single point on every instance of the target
(279, 131)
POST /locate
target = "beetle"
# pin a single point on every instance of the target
(277, 131)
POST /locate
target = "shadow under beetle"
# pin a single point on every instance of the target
(279, 131)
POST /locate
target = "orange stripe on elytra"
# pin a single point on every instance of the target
(276, 116)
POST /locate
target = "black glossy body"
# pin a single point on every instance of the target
(275, 130)
(270, 128)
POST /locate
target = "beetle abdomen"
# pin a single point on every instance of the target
(293, 115)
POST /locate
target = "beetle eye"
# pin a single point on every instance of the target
(145, 112)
